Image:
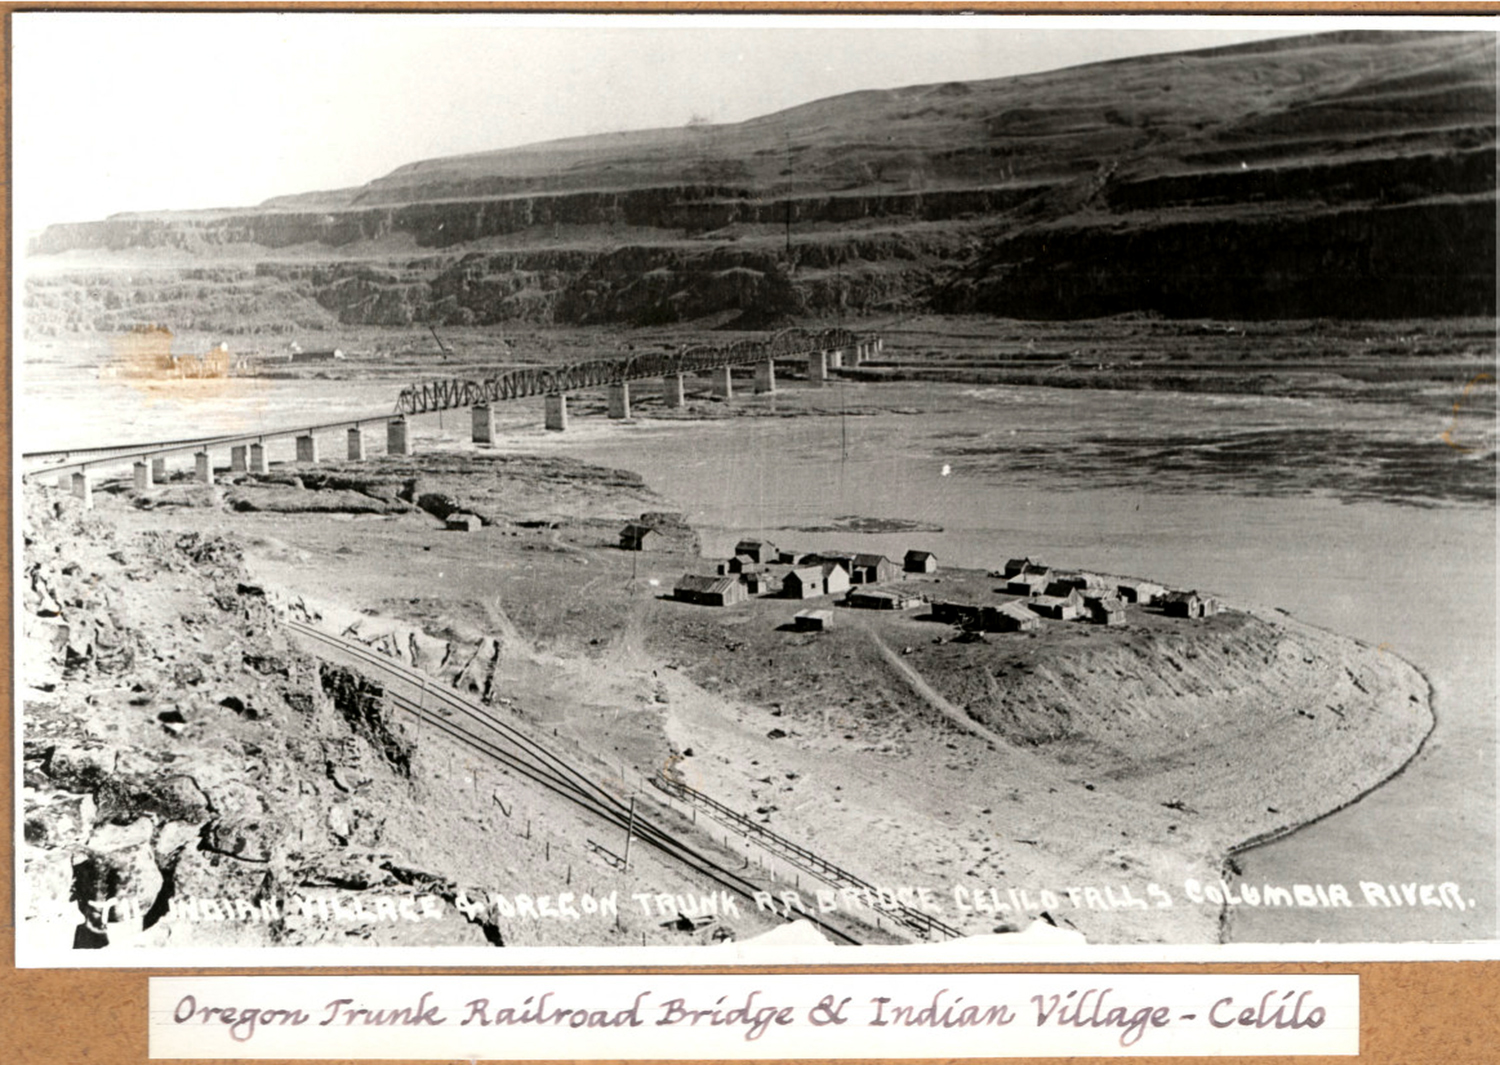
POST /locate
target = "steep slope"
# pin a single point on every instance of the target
(1208, 182)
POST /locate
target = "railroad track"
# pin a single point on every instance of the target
(479, 728)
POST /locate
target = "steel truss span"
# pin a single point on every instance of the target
(552, 380)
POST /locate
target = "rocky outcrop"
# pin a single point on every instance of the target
(189, 777)
(1339, 175)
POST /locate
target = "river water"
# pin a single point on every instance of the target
(1315, 506)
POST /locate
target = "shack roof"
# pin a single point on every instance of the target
(806, 574)
(695, 582)
(870, 560)
(1058, 600)
(918, 556)
(637, 530)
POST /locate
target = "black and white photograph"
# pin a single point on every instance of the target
(714, 489)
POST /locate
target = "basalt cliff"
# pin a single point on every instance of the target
(1339, 175)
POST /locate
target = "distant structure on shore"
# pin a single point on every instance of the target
(146, 351)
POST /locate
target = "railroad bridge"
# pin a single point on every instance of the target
(820, 351)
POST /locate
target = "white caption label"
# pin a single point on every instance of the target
(710, 1016)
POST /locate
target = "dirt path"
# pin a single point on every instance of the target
(919, 685)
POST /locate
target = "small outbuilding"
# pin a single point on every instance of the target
(1008, 617)
(1058, 607)
(1027, 584)
(803, 582)
(1104, 610)
(812, 620)
(835, 577)
(759, 582)
(872, 569)
(955, 613)
(1146, 593)
(710, 591)
(1024, 565)
(920, 562)
(761, 551)
(634, 536)
(880, 599)
(463, 522)
(1189, 605)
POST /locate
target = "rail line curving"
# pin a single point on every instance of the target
(480, 729)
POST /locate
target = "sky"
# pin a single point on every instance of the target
(148, 111)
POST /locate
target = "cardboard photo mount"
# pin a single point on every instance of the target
(1411, 1011)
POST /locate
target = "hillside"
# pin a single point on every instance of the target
(1217, 182)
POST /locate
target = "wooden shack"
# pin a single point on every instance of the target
(634, 536)
(920, 562)
(812, 620)
(710, 591)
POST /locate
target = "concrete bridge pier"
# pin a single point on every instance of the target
(672, 394)
(258, 459)
(557, 411)
(203, 468)
(723, 383)
(158, 470)
(141, 472)
(619, 399)
(65, 482)
(397, 442)
(836, 359)
(238, 458)
(765, 376)
(817, 367)
(879, 346)
(484, 423)
(307, 448)
(356, 444)
(83, 488)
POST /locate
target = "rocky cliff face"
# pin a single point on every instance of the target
(189, 777)
(1338, 175)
